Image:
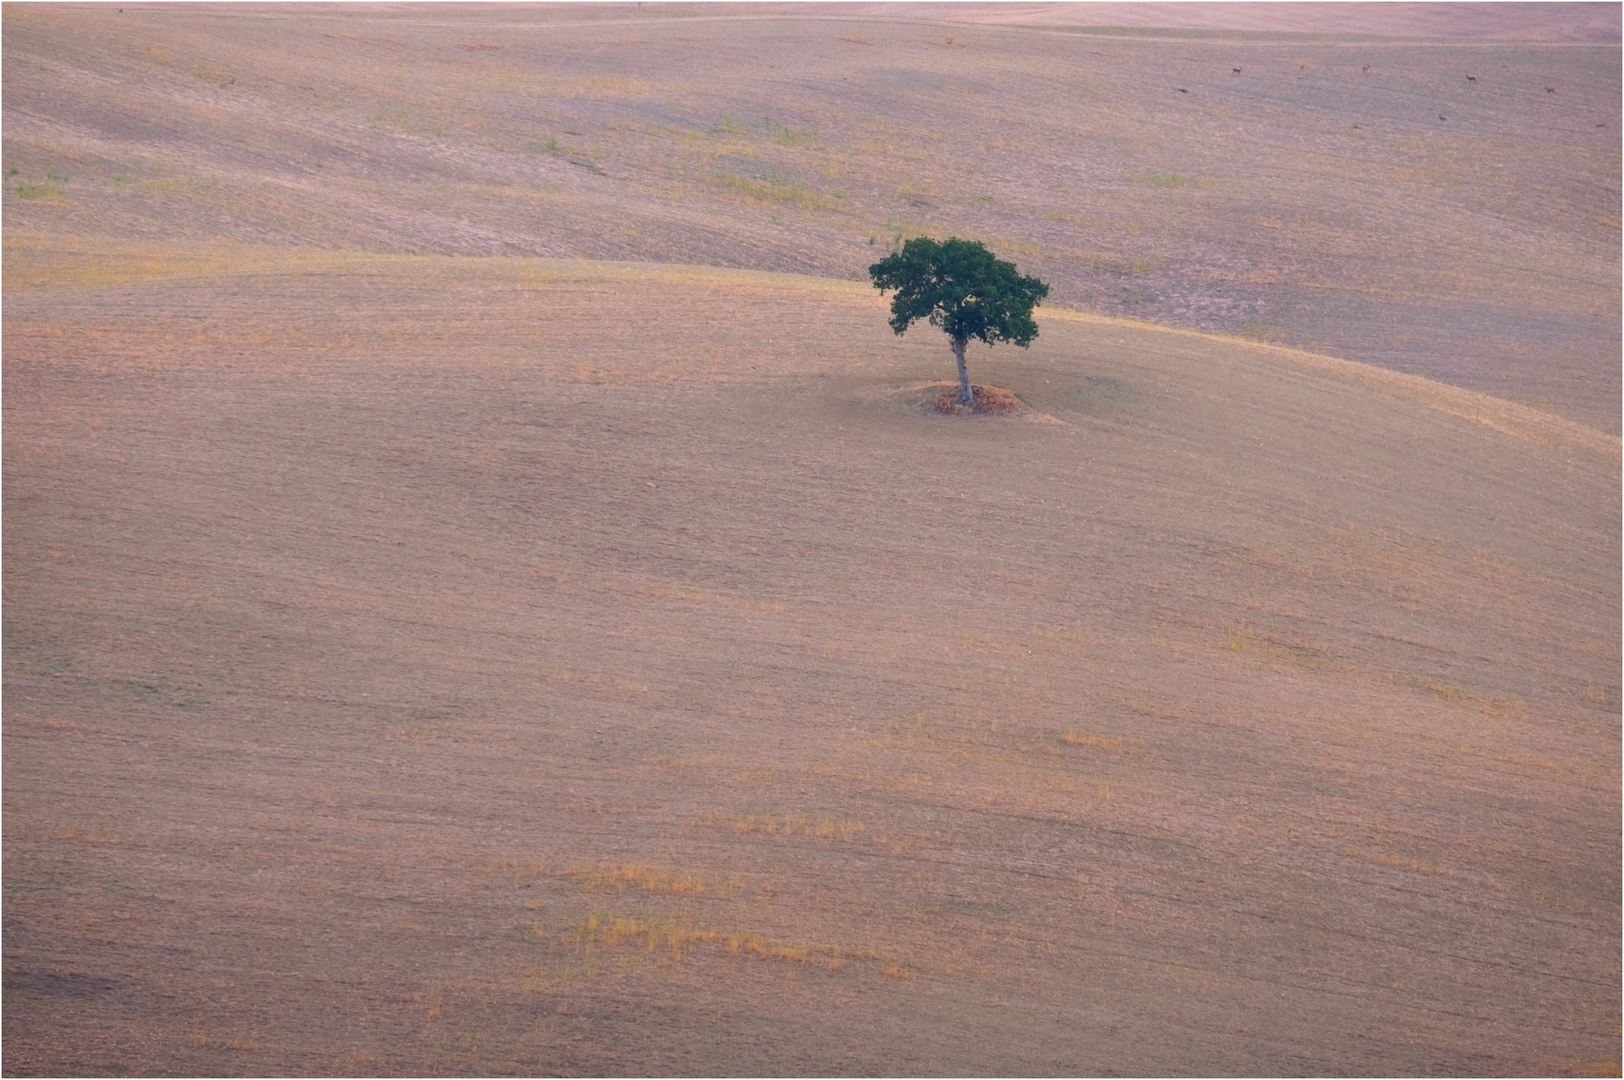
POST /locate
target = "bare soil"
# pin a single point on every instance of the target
(1466, 21)
(419, 664)
(984, 401)
(942, 399)
(1433, 189)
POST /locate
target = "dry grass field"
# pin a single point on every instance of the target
(428, 651)
(1349, 193)
(422, 664)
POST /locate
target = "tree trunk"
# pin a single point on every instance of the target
(966, 397)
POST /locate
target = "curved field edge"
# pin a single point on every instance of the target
(568, 640)
(35, 260)
(1507, 417)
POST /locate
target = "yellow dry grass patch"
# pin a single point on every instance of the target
(36, 260)
(1492, 704)
(787, 825)
(1106, 743)
(652, 879)
(1418, 866)
(673, 939)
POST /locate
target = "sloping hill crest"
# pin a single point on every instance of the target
(477, 664)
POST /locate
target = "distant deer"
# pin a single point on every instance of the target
(1367, 69)
(1550, 89)
(1471, 78)
(1236, 70)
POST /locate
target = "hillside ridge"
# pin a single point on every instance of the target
(36, 260)
(597, 661)
(1446, 207)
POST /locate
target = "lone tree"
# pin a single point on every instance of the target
(960, 287)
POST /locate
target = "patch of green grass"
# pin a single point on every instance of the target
(903, 231)
(153, 693)
(1117, 264)
(1168, 180)
(218, 76)
(38, 191)
(394, 117)
(569, 155)
(1258, 330)
(788, 136)
(771, 188)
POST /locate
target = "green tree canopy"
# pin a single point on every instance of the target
(961, 287)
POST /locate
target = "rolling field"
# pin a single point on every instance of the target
(486, 593)
(652, 687)
(1346, 192)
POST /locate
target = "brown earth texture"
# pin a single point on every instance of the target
(485, 591)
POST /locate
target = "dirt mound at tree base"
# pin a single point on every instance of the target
(989, 401)
(939, 399)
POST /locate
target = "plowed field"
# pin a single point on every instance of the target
(480, 665)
